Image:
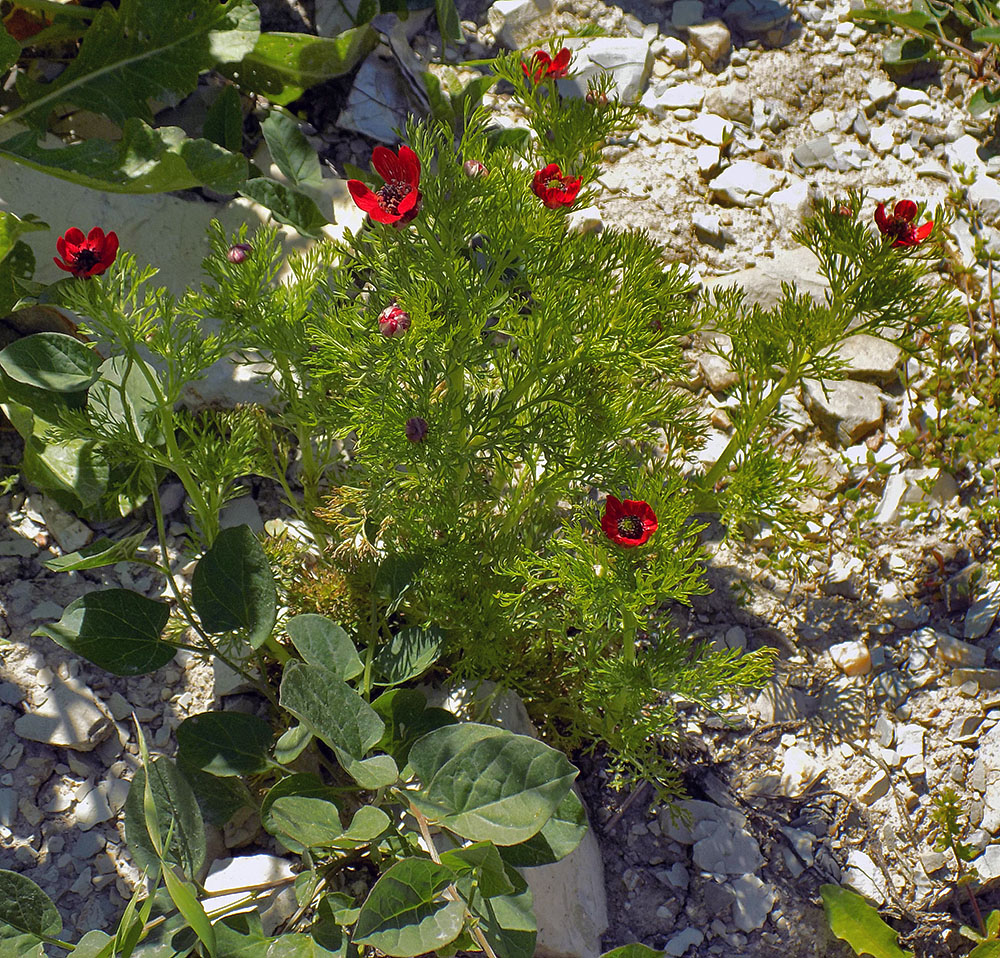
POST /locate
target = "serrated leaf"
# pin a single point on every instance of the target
(290, 150)
(25, 907)
(177, 812)
(224, 120)
(224, 743)
(330, 709)
(100, 552)
(282, 66)
(116, 629)
(144, 160)
(321, 641)
(409, 653)
(852, 919)
(147, 50)
(404, 915)
(488, 784)
(286, 204)
(233, 589)
(52, 361)
(559, 836)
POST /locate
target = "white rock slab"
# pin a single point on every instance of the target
(629, 60)
(746, 183)
(754, 901)
(514, 22)
(69, 716)
(253, 870)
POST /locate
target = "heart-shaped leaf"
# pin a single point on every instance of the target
(116, 629)
(404, 914)
(233, 589)
(25, 907)
(559, 836)
(52, 361)
(322, 642)
(224, 743)
(488, 784)
(409, 653)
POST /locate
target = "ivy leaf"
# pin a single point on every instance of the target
(852, 919)
(404, 915)
(144, 160)
(25, 907)
(224, 743)
(282, 66)
(488, 784)
(233, 588)
(146, 50)
(116, 629)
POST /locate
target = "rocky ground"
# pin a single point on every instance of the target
(885, 689)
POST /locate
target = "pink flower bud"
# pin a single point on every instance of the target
(238, 252)
(473, 169)
(393, 321)
(416, 429)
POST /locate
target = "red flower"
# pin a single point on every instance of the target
(86, 256)
(542, 66)
(629, 523)
(554, 189)
(393, 321)
(399, 200)
(898, 226)
(474, 169)
(238, 252)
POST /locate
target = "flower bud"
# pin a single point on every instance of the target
(416, 429)
(594, 98)
(238, 252)
(474, 169)
(393, 321)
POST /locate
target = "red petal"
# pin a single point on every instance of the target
(560, 63)
(905, 210)
(96, 237)
(922, 232)
(62, 265)
(408, 202)
(388, 165)
(410, 163)
(73, 236)
(363, 196)
(881, 220)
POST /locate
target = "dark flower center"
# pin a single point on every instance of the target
(392, 194)
(86, 258)
(630, 527)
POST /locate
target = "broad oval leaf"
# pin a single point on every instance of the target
(176, 805)
(404, 914)
(233, 589)
(559, 836)
(300, 785)
(409, 653)
(24, 906)
(219, 799)
(286, 204)
(124, 396)
(308, 822)
(508, 921)
(320, 641)
(635, 950)
(224, 743)
(116, 629)
(144, 160)
(378, 771)
(290, 150)
(282, 66)
(94, 944)
(51, 361)
(330, 709)
(368, 824)
(852, 919)
(224, 120)
(291, 744)
(16, 944)
(488, 784)
(100, 552)
(480, 867)
(983, 100)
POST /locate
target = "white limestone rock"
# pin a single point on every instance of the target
(746, 184)
(846, 411)
(68, 716)
(515, 22)
(710, 41)
(243, 870)
(629, 60)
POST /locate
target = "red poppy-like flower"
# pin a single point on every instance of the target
(399, 200)
(629, 523)
(88, 255)
(542, 66)
(898, 226)
(393, 321)
(554, 189)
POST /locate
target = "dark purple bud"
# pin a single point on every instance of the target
(416, 429)
(238, 252)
